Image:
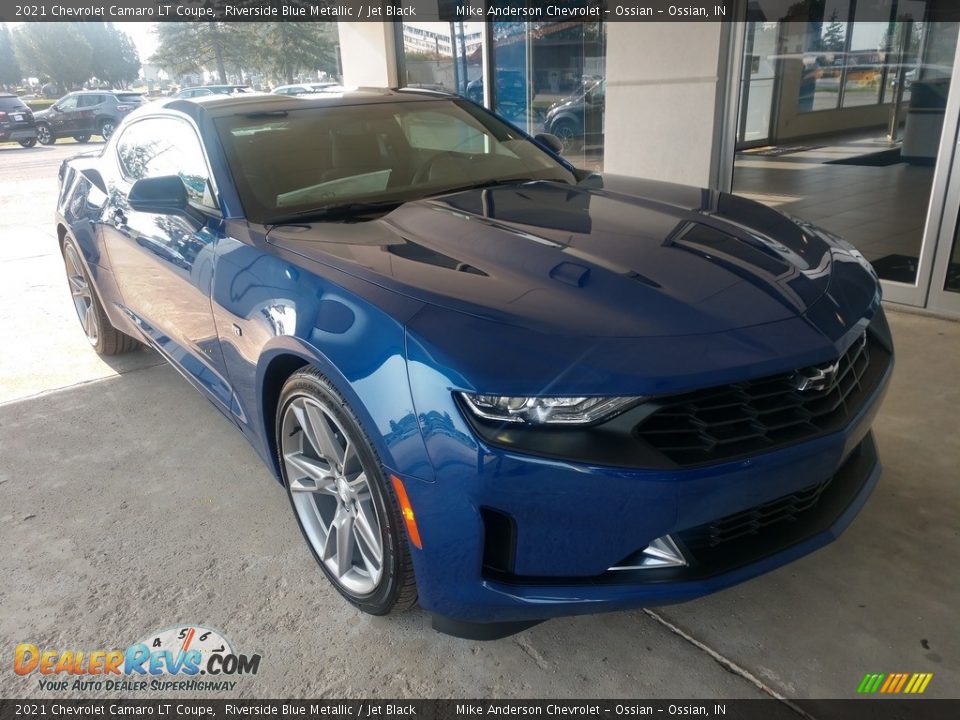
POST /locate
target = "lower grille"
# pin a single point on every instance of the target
(753, 521)
(729, 421)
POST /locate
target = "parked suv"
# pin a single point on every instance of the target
(578, 118)
(82, 114)
(16, 121)
(204, 90)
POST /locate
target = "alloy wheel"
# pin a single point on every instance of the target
(82, 295)
(332, 495)
(565, 133)
(106, 130)
(44, 135)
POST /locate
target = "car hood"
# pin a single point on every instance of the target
(41, 114)
(609, 257)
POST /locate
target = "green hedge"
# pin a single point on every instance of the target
(39, 104)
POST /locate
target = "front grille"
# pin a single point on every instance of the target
(726, 422)
(753, 521)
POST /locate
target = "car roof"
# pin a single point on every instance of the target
(223, 105)
(104, 92)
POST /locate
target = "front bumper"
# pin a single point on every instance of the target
(571, 523)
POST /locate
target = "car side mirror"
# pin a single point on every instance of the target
(551, 141)
(166, 195)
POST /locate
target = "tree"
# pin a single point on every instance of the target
(835, 36)
(193, 46)
(115, 57)
(10, 73)
(281, 50)
(54, 50)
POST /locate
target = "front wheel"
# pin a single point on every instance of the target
(104, 338)
(28, 143)
(106, 129)
(346, 511)
(45, 135)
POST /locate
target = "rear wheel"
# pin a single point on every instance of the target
(104, 338)
(81, 138)
(347, 512)
(45, 135)
(566, 130)
(28, 143)
(106, 129)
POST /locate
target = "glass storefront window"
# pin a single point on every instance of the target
(843, 129)
(444, 56)
(823, 44)
(550, 77)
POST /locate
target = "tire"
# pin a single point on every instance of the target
(102, 336)
(82, 138)
(106, 129)
(359, 500)
(568, 133)
(45, 135)
(28, 143)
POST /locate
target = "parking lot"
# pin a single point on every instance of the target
(128, 505)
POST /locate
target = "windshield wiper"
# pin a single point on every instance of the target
(350, 209)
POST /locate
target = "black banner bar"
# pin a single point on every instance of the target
(449, 10)
(330, 709)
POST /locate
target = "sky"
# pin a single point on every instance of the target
(142, 35)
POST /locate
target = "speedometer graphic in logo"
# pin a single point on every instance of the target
(184, 638)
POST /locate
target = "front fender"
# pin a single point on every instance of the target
(273, 315)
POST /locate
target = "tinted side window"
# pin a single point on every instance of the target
(68, 103)
(85, 101)
(165, 146)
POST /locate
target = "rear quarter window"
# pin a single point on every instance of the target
(129, 98)
(12, 103)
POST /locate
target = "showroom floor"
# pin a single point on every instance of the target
(128, 505)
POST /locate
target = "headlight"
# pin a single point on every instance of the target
(547, 410)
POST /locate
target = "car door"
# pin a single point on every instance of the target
(88, 107)
(63, 116)
(163, 263)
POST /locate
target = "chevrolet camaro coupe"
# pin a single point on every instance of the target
(489, 381)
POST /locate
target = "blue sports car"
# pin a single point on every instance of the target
(489, 381)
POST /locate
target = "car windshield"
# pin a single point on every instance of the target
(304, 160)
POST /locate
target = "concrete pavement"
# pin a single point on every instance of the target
(128, 504)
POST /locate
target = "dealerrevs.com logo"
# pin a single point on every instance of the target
(185, 657)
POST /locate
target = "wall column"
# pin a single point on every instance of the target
(664, 100)
(368, 54)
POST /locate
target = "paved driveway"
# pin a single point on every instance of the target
(128, 505)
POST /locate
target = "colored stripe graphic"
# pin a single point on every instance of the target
(870, 683)
(903, 679)
(894, 683)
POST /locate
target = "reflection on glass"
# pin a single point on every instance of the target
(444, 56)
(757, 86)
(842, 110)
(550, 78)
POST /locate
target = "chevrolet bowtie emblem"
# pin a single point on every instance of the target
(817, 379)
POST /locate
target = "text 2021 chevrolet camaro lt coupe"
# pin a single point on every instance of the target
(489, 381)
